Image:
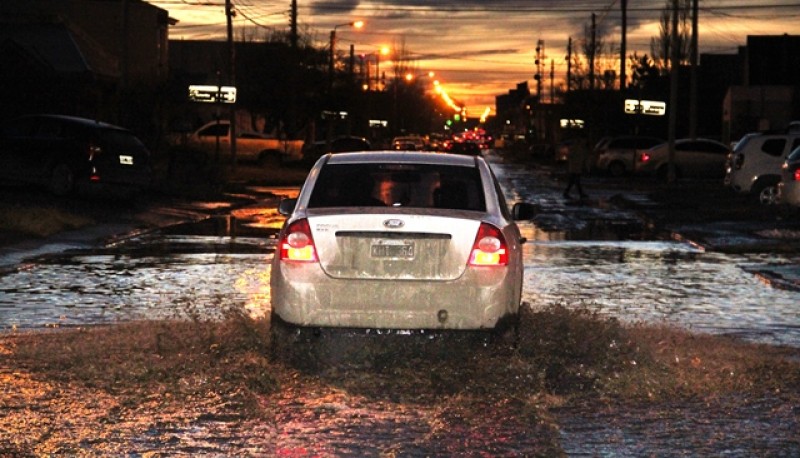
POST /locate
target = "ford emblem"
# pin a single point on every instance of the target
(393, 223)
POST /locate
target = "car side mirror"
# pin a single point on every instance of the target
(524, 211)
(286, 206)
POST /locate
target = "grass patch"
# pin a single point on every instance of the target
(579, 352)
(562, 351)
(38, 221)
(178, 360)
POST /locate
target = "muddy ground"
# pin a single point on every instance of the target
(573, 383)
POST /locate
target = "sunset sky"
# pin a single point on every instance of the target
(480, 49)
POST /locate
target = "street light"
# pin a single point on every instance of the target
(411, 77)
(356, 24)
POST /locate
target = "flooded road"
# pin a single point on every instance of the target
(574, 255)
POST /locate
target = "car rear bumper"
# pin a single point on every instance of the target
(789, 193)
(305, 296)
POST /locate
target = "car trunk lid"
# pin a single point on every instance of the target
(393, 247)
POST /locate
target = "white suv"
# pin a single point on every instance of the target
(755, 164)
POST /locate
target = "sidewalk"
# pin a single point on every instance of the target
(114, 226)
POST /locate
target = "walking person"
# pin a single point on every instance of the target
(576, 165)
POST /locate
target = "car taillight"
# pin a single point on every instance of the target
(490, 247)
(796, 174)
(297, 243)
(644, 157)
(93, 150)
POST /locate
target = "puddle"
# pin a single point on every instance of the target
(722, 427)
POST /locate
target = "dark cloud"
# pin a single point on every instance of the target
(339, 6)
(574, 15)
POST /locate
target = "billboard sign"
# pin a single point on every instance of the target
(212, 94)
(645, 107)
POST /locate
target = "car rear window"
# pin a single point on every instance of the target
(795, 155)
(634, 143)
(773, 146)
(119, 141)
(398, 185)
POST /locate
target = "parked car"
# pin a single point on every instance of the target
(754, 167)
(398, 240)
(342, 144)
(409, 143)
(67, 153)
(697, 158)
(215, 137)
(617, 155)
(789, 187)
(467, 148)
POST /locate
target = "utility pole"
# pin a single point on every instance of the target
(569, 64)
(693, 83)
(623, 64)
(229, 12)
(331, 66)
(352, 62)
(539, 62)
(592, 52)
(293, 38)
(294, 65)
(673, 92)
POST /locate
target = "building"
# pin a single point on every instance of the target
(74, 56)
(768, 96)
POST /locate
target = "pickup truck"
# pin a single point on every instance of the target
(250, 146)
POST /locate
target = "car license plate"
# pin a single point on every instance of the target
(392, 249)
(125, 159)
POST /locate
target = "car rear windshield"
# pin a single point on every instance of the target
(398, 185)
(634, 143)
(120, 141)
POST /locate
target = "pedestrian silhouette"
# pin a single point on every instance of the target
(576, 165)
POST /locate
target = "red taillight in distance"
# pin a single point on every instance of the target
(796, 174)
(490, 247)
(297, 244)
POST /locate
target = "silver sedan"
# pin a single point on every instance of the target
(399, 240)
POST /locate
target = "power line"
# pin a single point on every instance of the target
(588, 8)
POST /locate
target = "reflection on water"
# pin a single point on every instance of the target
(202, 269)
(166, 277)
(663, 282)
(202, 276)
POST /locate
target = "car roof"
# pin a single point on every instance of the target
(638, 137)
(698, 139)
(401, 157)
(74, 120)
(342, 137)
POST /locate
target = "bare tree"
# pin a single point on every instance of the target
(402, 63)
(606, 61)
(660, 47)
